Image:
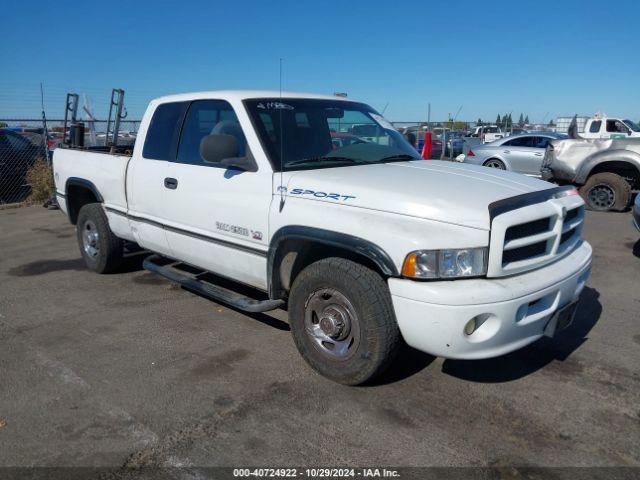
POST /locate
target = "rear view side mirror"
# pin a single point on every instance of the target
(224, 150)
(215, 148)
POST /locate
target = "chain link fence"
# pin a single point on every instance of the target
(24, 146)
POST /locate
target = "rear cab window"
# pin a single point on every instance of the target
(161, 141)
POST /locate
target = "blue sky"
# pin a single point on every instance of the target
(541, 58)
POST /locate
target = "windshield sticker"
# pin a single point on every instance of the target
(274, 106)
(383, 122)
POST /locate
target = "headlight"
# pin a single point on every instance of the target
(450, 263)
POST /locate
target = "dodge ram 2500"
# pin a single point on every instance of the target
(365, 244)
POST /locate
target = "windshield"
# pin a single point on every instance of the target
(632, 125)
(305, 133)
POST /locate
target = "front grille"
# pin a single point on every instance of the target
(534, 235)
(524, 253)
(571, 214)
(527, 229)
(567, 235)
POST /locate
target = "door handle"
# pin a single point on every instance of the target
(171, 183)
(507, 151)
(538, 154)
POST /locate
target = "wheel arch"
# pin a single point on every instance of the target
(79, 192)
(294, 247)
(613, 161)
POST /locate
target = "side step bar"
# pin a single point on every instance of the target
(209, 290)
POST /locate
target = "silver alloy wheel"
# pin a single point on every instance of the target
(495, 164)
(602, 196)
(331, 322)
(90, 239)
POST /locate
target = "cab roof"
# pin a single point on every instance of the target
(243, 95)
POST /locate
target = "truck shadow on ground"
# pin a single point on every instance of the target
(536, 356)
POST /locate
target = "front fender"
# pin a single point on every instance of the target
(329, 238)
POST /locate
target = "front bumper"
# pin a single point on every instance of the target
(515, 310)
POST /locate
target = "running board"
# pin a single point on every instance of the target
(209, 290)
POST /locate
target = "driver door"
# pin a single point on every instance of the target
(217, 217)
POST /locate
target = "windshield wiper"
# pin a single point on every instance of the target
(398, 158)
(321, 159)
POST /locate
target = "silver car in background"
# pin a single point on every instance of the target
(519, 153)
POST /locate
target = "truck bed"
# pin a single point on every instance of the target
(106, 171)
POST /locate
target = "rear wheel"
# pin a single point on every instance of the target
(342, 320)
(100, 248)
(606, 191)
(495, 163)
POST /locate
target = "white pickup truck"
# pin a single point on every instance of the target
(605, 127)
(365, 244)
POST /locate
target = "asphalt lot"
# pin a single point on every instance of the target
(129, 370)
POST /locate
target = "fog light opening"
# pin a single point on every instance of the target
(475, 323)
(471, 326)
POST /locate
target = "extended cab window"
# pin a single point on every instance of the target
(161, 141)
(208, 117)
(595, 126)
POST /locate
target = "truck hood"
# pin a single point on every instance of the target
(440, 191)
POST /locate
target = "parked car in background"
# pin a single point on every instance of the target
(605, 127)
(455, 142)
(17, 155)
(415, 135)
(520, 153)
(488, 133)
(607, 171)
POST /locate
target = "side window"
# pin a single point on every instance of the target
(206, 117)
(161, 141)
(519, 142)
(540, 142)
(595, 126)
(616, 126)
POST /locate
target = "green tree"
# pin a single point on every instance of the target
(479, 122)
(526, 120)
(521, 120)
(498, 120)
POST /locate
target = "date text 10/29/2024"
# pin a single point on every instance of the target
(315, 473)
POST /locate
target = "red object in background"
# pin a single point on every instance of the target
(470, 153)
(427, 148)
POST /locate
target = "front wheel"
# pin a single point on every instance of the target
(342, 320)
(606, 191)
(100, 248)
(495, 163)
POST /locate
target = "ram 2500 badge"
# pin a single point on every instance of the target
(364, 243)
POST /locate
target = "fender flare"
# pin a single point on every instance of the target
(617, 155)
(84, 183)
(330, 238)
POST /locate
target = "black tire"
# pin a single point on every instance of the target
(373, 339)
(103, 253)
(606, 191)
(495, 163)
